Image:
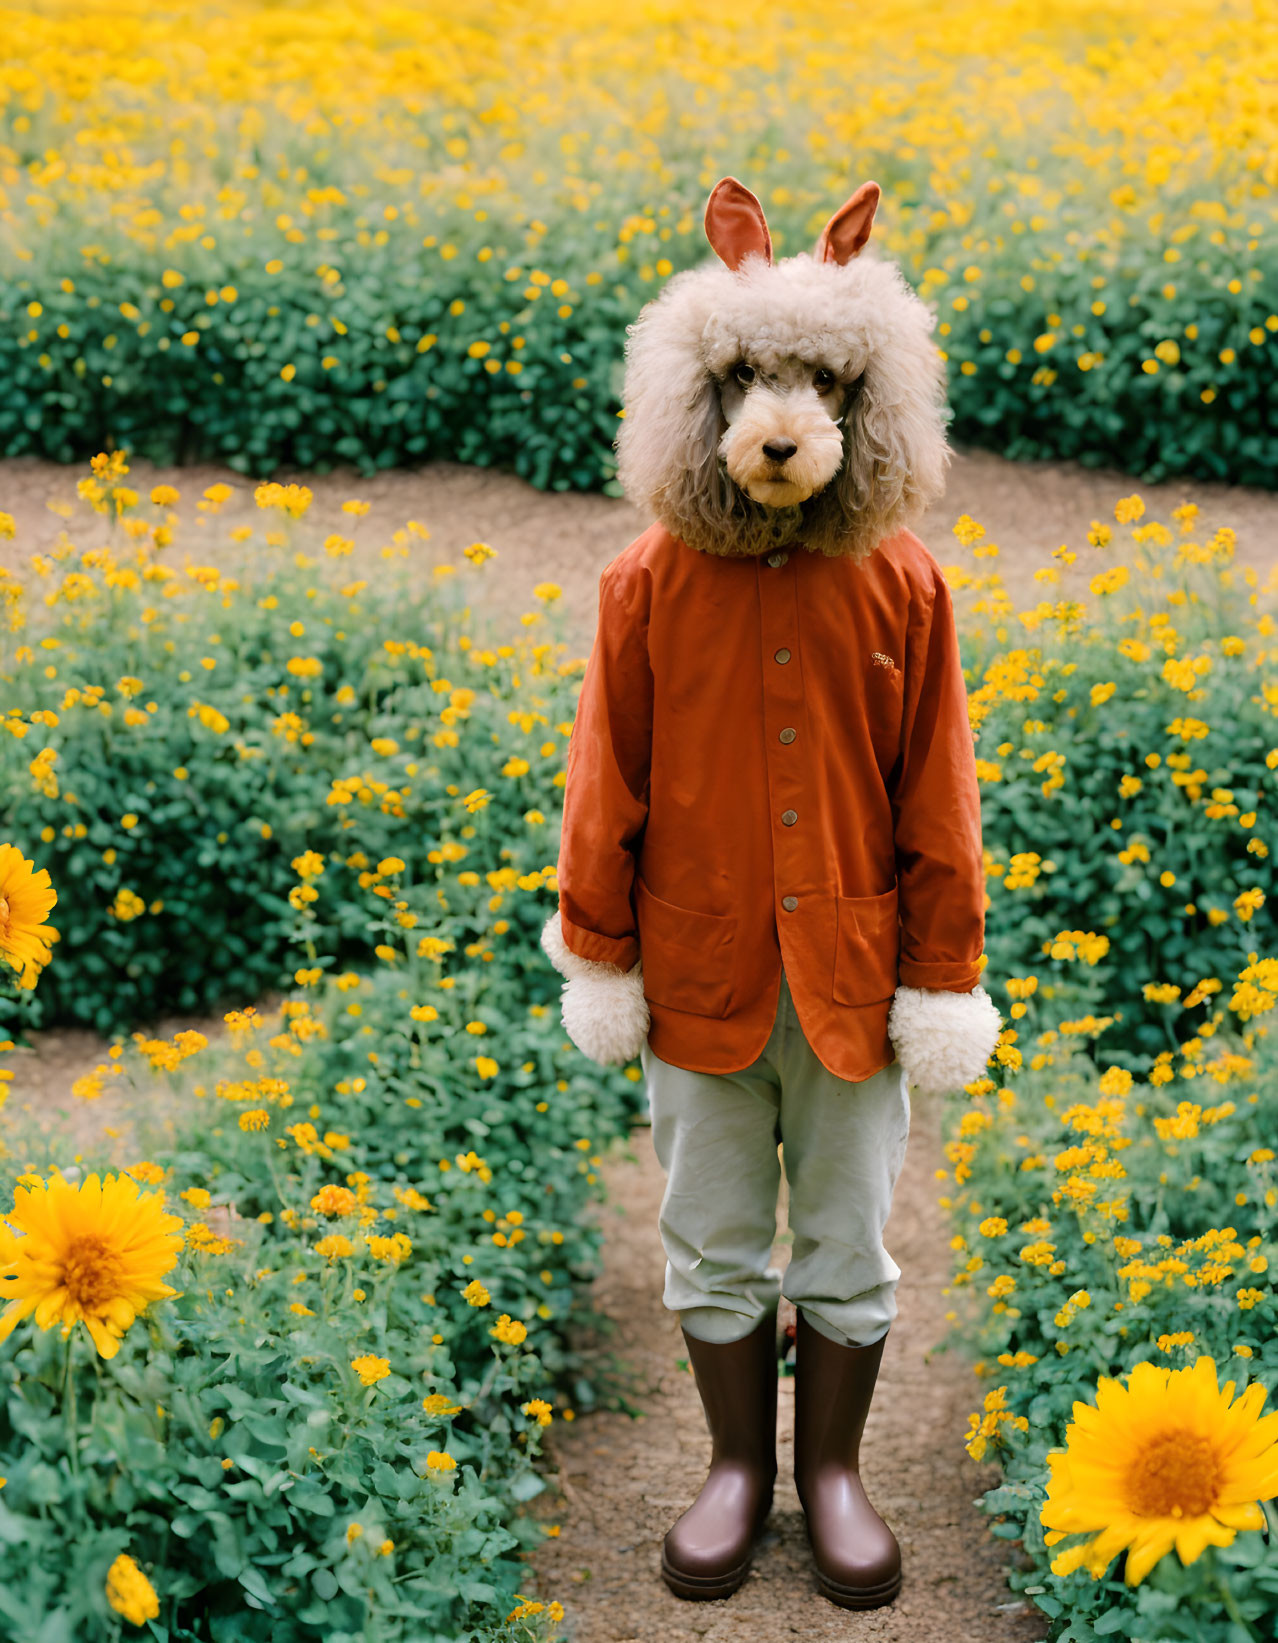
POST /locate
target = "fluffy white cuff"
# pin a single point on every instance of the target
(943, 1040)
(604, 1010)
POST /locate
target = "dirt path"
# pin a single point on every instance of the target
(624, 1481)
(101, 1131)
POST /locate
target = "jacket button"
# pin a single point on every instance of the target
(782, 655)
(789, 817)
(789, 903)
(776, 560)
(788, 735)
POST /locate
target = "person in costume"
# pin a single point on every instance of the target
(771, 881)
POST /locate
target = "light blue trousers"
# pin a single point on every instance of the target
(717, 1136)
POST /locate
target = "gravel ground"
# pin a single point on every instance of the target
(622, 1480)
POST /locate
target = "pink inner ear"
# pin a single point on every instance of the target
(849, 228)
(735, 224)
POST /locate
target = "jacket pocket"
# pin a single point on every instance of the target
(867, 947)
(688, 957)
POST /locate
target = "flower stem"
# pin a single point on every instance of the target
(1231, 1605)
(69, 1410)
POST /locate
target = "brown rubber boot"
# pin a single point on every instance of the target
(858, 1560)
(707, 1553)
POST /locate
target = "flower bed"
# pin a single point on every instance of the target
(1111, 1182)
(1128, 750)
(308, 1404)
(179, 734)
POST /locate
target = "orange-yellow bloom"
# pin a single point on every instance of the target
(1170, 1459)
(93, 1253)
(25, 900)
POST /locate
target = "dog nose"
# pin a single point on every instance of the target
(778, 450)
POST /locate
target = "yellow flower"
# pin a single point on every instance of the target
(291, 499)
(439, 1461)
(130, 1593)
(25, 899)
(334, 1201)
(1111, 580)
(475, 1293)
(1170, 1459)
(209, 717)
(93, 1253)
(1249, 902)
(371, 1369)
(508, 1330)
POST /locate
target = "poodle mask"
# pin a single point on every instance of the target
(791, 403)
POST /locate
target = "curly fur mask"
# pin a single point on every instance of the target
(835, 311)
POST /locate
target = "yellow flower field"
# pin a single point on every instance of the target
(446, 220)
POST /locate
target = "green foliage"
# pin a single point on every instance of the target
(401, 384)
(402, 1166)
(355, 397)
(1099, 1227)
(1129, 757)
(1113, 1190)
(1174, 374)
(391, 403)
(485, 1166)
(271, 712)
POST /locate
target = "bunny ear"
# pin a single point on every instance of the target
(735, 224)
(849, 228)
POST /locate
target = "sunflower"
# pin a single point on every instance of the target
(93, 1253)
(1170, 1459)
(25, 899)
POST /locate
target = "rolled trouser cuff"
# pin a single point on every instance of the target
(867, 1333)
(721, 1325)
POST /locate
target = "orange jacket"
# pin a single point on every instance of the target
(772, 762)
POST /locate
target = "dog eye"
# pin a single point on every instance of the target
(744, 374)
(823, 380)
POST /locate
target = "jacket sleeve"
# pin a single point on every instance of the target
(936, 808)
(606, 791)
